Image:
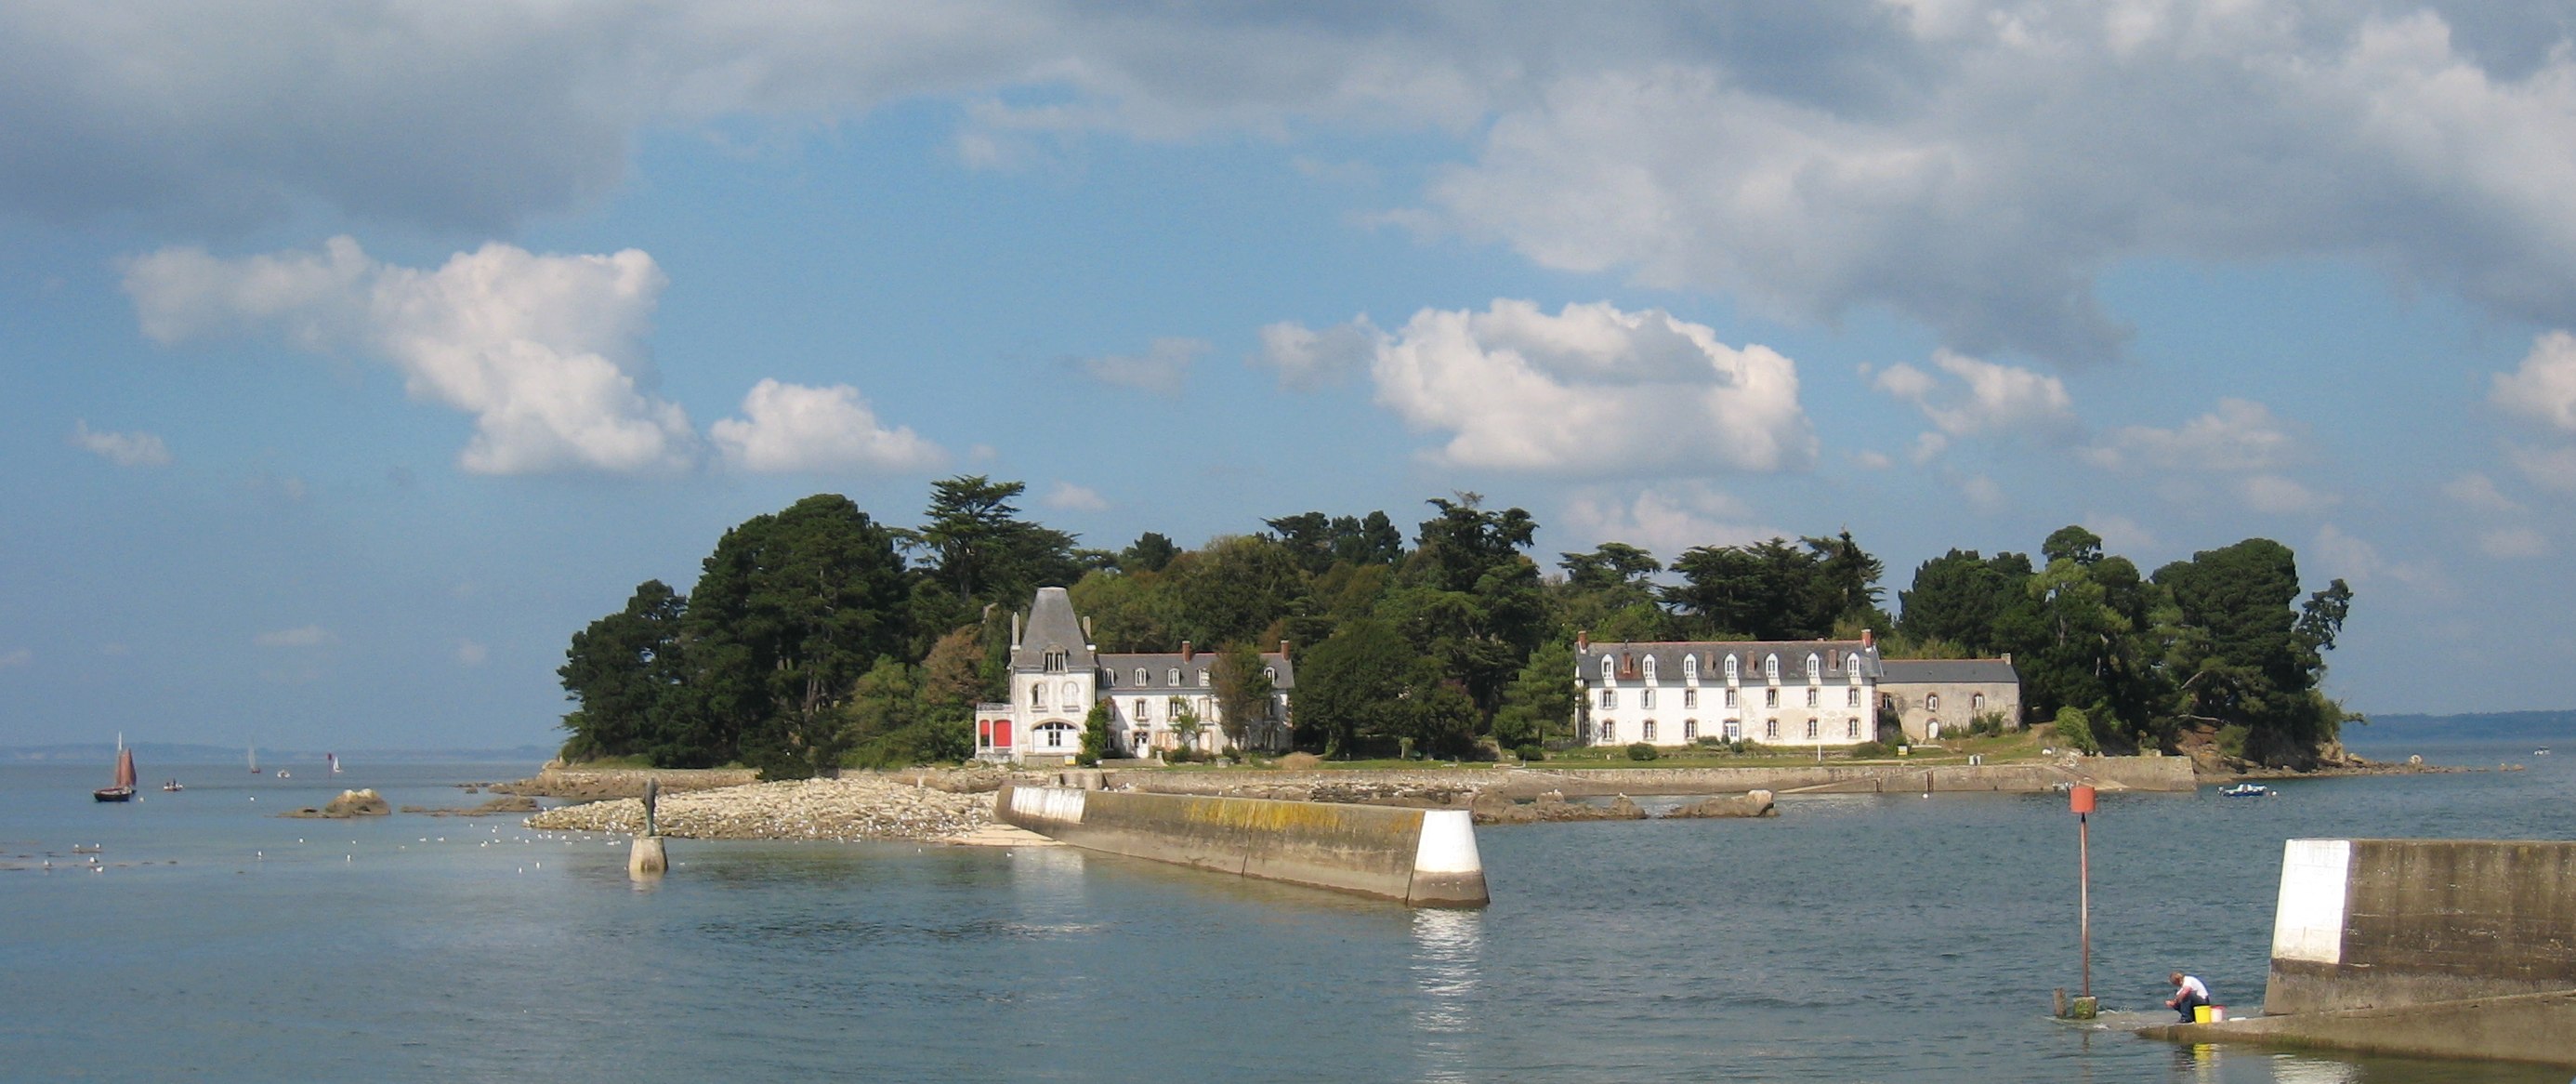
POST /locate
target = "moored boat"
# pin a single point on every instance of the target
(123, 789)
(2245, 790)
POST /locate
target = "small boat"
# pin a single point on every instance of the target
(254, 760)
(172, 786)
(2541, 752)
(2245, 790)
(334, 760)
(123, 790)
(284, 774)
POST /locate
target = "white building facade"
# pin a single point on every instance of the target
(1671, 694)
(1158, 701)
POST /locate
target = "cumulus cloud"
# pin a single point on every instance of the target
(304, 636)
(1663, 520)
(545, 351)
(2478, 491)
(1068, 497)
(2241, 445)
(1161, 369)
(1590, 390)
(1310, 358)
(2510, 542)
(2120, 534)
(1989, 397)
(2544, 388)
(792, 429)
(136, 449)
(2553, 469)
(2336, 554)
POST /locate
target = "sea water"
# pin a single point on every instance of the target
(1878, 937)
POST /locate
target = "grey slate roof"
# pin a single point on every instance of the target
(1948, 671)
(1628, 659)
(1120, 671)
(1052, 626)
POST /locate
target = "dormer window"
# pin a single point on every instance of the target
(1203, 677)
(1730, 667)
(1172, 677)
(1650, 668)
(1607, 675)
(1056, 660)
(1815, 668)
(1690, 668)
(1270, 674)
(1771, 667)
(1141, 679)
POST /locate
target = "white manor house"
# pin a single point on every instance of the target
(1057, 675)
(1795, 692)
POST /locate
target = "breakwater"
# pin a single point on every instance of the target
(1458, 786)
(1422, 857)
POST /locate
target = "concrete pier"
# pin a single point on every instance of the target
(1422, 857)
(2429, 947)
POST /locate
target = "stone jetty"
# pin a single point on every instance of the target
(852, 808)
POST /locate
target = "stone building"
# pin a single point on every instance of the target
(1157, 700)
(1796, 692)
(1932, 697)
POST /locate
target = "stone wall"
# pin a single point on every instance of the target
(2388, 923)
(1420, 857)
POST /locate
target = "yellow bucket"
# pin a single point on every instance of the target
(2200, 1014)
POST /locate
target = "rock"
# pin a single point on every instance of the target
(1301, 762)
(1749, 804)
(350, 803)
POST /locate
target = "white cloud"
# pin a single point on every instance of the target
(304, 636)
(1983, 493)
(2339, 555)
(1068, 497)
(2240, 435)
(2553, 469)
(1591, 390)
(469, 653)
(2478, 491)
(1927, 446)
(2544, 388)
(1161, 369)
(1869, 460)
(136, 449)
(1664, 520)
(1990, 398)
(792, 428)
(545, 351)
(2120, 534)
(2274, 493)
(2513, 542)
(13, 659)
(1312, 358)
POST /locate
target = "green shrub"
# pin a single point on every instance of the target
(2076, 729)
(1530, 751)
(1741, 746)
(2231, 739)
(1869, 750)
(1712, 741)
(1642, 751)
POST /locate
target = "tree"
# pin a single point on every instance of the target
(952, 676)
(1773, 590)
(1539, 704)
(1243, 691)
(1150, 553)
(980, 550)
(1235, 588)
(1367, 540)
(1957, 597)
(625, 671)
(1349, 685)
(1095, 736)
(1186, 726)
(1616, 569)
(790, 609)
(2250, 659)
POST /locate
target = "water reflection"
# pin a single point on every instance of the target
(1448, 966)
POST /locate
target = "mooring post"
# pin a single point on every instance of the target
(2080, 798)
(647, 857)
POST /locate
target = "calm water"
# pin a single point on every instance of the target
(1853, 938)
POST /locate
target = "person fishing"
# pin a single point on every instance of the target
(2189, 993)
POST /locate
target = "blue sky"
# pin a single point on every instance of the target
(362, 353)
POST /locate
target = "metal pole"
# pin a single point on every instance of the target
(2084, 892)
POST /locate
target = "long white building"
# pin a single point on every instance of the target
(1796, 692)
(1157, 700)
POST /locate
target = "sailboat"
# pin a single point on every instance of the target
(123, 791)
(254, 760)
(334, 759)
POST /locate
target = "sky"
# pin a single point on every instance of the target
(362, 352)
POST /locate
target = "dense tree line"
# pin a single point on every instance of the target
(817, 637)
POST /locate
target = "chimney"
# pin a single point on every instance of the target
(1188, 652)
(1283, 647)
(2007, 658)
(1015, 628)
(1086, 629)
(1582, 640)
(1868, 639)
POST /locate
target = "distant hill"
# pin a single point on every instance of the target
(185, 753)
(2494, 725)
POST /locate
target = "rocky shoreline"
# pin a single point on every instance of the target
(858, 807)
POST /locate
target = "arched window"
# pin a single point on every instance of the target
(1931, 701)
(1172, 677)
(1607, 674)
(1141, 679)
(1109, 679)
(1690, 668)
(1852, 671)
(1815, 668)
(1650, 668)
(1037, 695)
(1730, 667)
(1976, 702)
(1072, 694)
(1771, 667)
(1203, 677)
(1270, 674)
